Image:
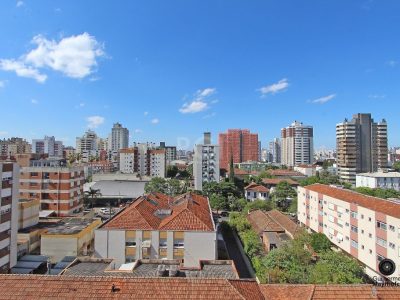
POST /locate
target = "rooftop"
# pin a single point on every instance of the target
(257, 187)
(160, 212)
(376, 204)
(69, 226)
(275, 181)
(146, 268)
(381, 174)
(287, 173)
(271, 221)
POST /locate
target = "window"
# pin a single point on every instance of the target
(34, 174)
(331, 218)
(369, 219)
(370, 235)
(163, 243)
(362, 247)
(331, 206)
(362, 216)
(353, 214)
(381, 225)
(354, 244)
(381, 242)
(347, 238)
(130, 244)
(391, 245)
(179, 244)
(340, 223)
(354, 228)
(370, 251)
(362, 231)
(379, 257)
(391, 228)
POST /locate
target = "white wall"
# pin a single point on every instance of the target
(111, 245)
(199, 246)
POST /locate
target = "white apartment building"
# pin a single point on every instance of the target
(88, 142)
(49, 146)
(143, 160)
(367, 228)
(308, 170)
(9, 175)
(383, 180)
(297, 146)
(119, 138)
(205, 163)
(157, 226)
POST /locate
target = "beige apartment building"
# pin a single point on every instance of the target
(362, 146)
(157, 226)
(365, 227)
(8, 215)
(58, 188)
(143, 160)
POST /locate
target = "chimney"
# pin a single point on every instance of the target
(207, 138)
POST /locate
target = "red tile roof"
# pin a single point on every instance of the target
(72, 287)
(188, 212)
(323, 292)
(286, 173)
(261, 221)
(373, 203)
(284, 221)
(275, 181)
(257, 187)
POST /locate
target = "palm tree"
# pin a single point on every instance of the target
(92, 193)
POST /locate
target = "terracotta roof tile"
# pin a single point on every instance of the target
(288, 173)
(284, 221)
(257, 187)
(275, 181)
(373, 203)
(287, 291)
(71, 287)
(188, 212)
(261, 222)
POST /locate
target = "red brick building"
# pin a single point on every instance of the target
(240, 143)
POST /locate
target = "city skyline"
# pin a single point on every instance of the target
(171, 71)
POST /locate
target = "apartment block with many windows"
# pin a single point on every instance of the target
(9, 173)
(143, 160)
(58, 188)
(367, 228)
(157, 226)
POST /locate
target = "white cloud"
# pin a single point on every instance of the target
(274, 88)
(155, 121)
(34, 101)
(200, 102)
(377, 96)
(20, 3)
(22, 70)
(392, 63)
(146, 113)
(194, 107)
(94, 121)
(3, 133)
(74, 56)
(323, 100)
(138, 130)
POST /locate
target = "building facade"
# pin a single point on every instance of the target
(119, 137)
(9, 174)
(88, 142)
(365, 227)
(297, 144)
(362, 146)
(14, 146)
(381, 180)
(239, 144)
(156, 226)
(48, 145)
(205, 163)
(170, 153)
(275, 151)
(57, 188)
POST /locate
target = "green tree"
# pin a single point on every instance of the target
(218, 202)
(336, 268)
(396, 166)
(258, 204)
(172, 171)
(156, 184)
(231, 170)
(92, 194)
(174, 187)
(282, 191)
(319, 242)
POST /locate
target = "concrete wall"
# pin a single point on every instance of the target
(110, 244)
(199, 246)
(58, 248)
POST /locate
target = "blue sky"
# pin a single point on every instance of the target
(169, 70)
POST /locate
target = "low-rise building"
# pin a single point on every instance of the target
(271, 183)
(382, 180)
(157, 226)
(28, 213)
(256, 191)
(307, 170)
(365, 227)
(70, 237)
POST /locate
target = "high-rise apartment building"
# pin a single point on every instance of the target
(170, 152)
(275, 150)
(239, 143)
(119, 138)
(205, 163)
(144, 160)
(297, 146)
(361, 145)
(58, 188)
(13, 146)
(88, 142)
(9, 174)
(48, 145)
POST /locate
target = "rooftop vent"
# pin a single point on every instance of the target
(173, 271)
(162, 213)
(161, 270)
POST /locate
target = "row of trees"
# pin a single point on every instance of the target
(380, 193)
(171, 187)
(307, 258)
